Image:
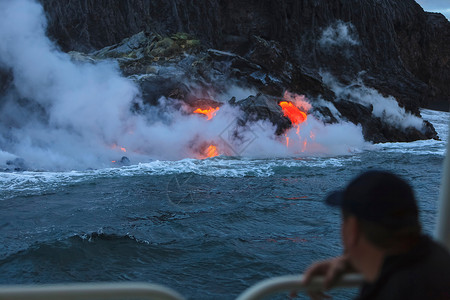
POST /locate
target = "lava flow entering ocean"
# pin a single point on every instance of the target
(297, 117)
(293, 113)
(211, 150)
(209, 112)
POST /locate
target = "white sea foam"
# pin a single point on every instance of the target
(14, 184)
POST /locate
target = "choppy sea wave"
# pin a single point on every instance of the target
(15, 184)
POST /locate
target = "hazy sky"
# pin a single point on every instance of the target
(442, 6)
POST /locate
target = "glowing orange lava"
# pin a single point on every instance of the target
(114, 146)
(209, 112)
(211, 151)
(293, 113)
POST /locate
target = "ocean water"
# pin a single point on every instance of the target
(206, 228)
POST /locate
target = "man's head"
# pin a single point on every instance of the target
(383, 205)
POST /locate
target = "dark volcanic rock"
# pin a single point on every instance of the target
(272, 46)
(197, 78)
(393, 40)
(17, 164)
(424, 46)
(262, 107)
(377, 131)
(155, 87)
(86, 25)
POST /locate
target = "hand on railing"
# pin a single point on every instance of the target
(285, 283)
(331, 270)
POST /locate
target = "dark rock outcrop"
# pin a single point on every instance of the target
(376, 130)
(263, 107)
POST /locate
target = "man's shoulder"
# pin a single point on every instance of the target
(423, 273)
(428, 258)
(435, 256)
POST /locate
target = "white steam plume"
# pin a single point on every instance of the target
(85, 106)
(385, 108)
(339, 34)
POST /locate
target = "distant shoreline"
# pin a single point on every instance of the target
(439, 105)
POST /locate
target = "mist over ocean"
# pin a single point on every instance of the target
(94, 186)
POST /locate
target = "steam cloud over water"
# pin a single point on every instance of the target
(60, 114)
(385, 108)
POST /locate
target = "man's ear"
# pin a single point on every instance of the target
(353, 231)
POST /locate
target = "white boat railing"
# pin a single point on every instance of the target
(293, 283)
(137, 290)
(443, 222)
(84, 291)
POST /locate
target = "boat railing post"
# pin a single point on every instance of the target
(443, 220)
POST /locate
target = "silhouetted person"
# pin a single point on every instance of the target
(382, 240)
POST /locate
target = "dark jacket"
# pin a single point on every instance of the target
(423, 273)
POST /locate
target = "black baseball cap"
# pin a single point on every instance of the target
(380, 197)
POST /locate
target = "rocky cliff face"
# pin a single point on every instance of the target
(404, 50)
